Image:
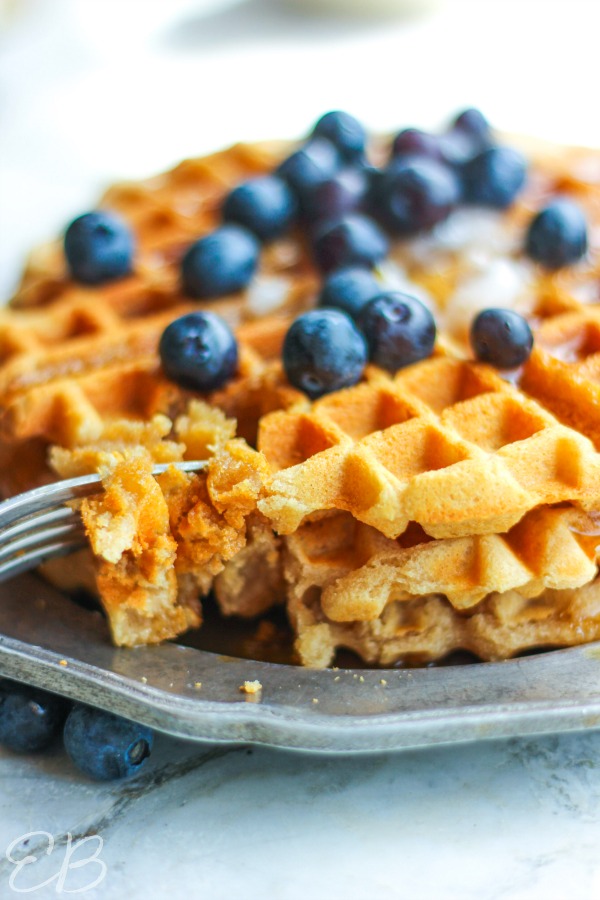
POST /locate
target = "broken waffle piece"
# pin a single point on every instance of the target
(158, 542)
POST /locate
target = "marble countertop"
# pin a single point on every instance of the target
(89, 95)
(501, 820)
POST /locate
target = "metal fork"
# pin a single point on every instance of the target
(37, 525)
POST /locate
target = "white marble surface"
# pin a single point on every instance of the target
(91, 90)
(511, 820)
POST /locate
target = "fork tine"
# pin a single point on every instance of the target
(60, 514)
(26, 561)
(51, 495)
(35, 526)
(38, 539)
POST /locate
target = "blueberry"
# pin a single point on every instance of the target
(472, 122)
(343, 193)
(414, 142)
(494, 177)
(105, 746)
(414, 194)
(324, 351)
(469, 134)
(265, 206)
(344, 131)
(457, 148)
(220, 263)
(349, 289)
(501, 337)
(30, 718)
(313, 163)
(557, 236)
(399, 330)
(353, 239)
(99, 247)
(198, 351)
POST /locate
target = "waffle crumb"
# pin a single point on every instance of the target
(251, 687)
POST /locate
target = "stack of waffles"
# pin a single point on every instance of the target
(439, 508)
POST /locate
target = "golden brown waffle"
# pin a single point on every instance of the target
(349, 586)
(499, 475)
(425, 629)
(446, 444)
(74, 357)
(563, 371)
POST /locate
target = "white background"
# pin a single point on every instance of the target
(95, 90)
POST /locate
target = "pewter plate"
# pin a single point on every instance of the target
(47, 640)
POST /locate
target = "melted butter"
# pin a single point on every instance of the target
(589, 529)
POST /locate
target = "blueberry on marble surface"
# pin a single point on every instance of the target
(99, 247)
(494, 177)
(30, 718)
(399, 330)
(344, 131)
(557, 235)
(351, 240)
(349, 289)
(502, 338)
(323, 351)
(105, 746)
(220, 263)
(199, 351)
(265, 206)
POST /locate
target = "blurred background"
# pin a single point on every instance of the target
(97, 90)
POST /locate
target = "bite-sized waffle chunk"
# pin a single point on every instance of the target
(135, 554)
(159, 542)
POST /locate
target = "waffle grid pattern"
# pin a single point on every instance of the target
(500, 477)
(447, 444)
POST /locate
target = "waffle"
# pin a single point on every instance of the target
(446, 444)
(349, 586)
(421, 630)
(74, 357)
(408, 516)
(159, 542)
